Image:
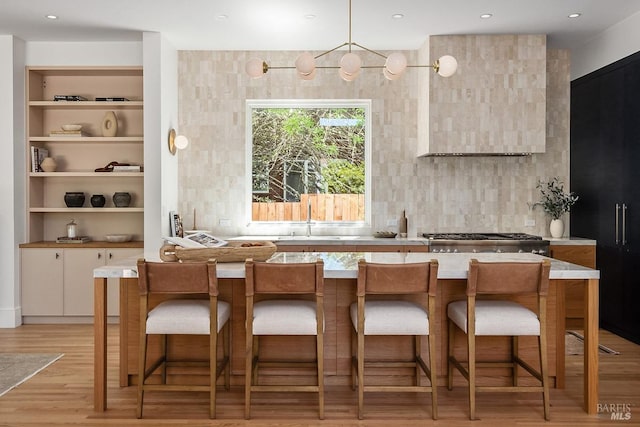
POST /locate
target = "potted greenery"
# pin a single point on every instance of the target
(555, 202)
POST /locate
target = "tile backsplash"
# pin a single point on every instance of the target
(454, 194)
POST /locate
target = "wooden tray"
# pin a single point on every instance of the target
(235, 251)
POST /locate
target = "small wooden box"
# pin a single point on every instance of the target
(235, 251)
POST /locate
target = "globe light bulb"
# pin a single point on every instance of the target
(350, 63)
(255, 68)
(396, 63)
(447, 65)
(305, 63)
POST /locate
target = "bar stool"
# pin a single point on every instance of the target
(282, 313)
(183, 315)
(380, 311)
(497, 317)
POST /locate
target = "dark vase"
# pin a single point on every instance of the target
(74, 199)
(121, 199)
(97, 200)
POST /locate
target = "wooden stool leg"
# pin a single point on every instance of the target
(142, 357)
(433, 375)
(514, 358)
(320, 366)
(248, 374)
(226, 330)
(360, 374)
(213, 372)
(417, 345)
(471, 352)
(450, 347)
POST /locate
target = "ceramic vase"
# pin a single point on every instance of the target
(48, 164)
(121, 199)
(556, 228)
(74, 199)
(97, 200)
(109, 124)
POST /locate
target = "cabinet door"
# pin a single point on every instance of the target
(78, 279)
(114, 255)
(41, 283)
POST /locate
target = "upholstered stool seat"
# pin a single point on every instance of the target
(498, 318)
(284, 317)
(185, 316)
(392, 318)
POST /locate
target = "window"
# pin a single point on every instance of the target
(309, 160)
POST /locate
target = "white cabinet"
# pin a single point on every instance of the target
(42, 283)
(78, 279)
(58, 282)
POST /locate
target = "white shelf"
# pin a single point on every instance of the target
(91, 139)
(87, 104)
(87, 174)
(64, 210)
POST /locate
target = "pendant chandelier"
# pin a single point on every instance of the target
(394, 66)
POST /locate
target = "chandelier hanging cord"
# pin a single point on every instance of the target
(350, 64)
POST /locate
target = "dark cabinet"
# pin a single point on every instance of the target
(605, 173)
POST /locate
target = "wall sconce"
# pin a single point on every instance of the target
(177, 142)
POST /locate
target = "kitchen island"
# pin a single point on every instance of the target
(340, 280)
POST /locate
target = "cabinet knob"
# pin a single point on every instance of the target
(110, 255)
(99, 255)
(57, 255)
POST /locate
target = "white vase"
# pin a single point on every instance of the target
(556, 228)
(48, 164)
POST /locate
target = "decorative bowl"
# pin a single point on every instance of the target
(71, 127)
(74, 199)
(117, 238)
(384, 234)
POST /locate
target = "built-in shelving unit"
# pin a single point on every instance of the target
(77, 157)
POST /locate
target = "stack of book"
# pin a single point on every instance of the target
(69, 98)
(127, 168)
(79, 239)
(67, 133)
(38, 154)
(110, 99)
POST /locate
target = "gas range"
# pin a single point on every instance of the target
(487, 242)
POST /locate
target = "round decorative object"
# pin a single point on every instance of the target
(556, 228)
(97, 200)
(72, 127)
(121, 199)
(109, 124)
(74, 199)
(48, 164)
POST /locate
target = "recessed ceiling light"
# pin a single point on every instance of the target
(574, 15)
(310, 16)
(397, 16)
(486, 15)
(222, 17)
(51, 16)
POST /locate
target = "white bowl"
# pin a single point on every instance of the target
(71, 127)
(118, 238)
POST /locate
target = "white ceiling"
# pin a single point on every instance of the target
(282, 25)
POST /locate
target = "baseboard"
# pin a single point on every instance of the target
(10, 317)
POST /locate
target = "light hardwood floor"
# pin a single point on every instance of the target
(62, 394)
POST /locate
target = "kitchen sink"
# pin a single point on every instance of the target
(303, 238)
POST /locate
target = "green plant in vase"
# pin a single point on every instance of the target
(555, 202)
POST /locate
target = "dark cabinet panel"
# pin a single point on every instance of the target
(605, 173)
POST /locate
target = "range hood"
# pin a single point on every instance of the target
(495, 103)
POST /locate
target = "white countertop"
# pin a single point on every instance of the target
(343, 265)
(336, 240)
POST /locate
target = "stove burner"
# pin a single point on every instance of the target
(487, 242)
(481, 236)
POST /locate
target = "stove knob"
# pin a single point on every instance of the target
(520, 251)
(498, 251)
(455, 251)
(448, 251)
(475, 251)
